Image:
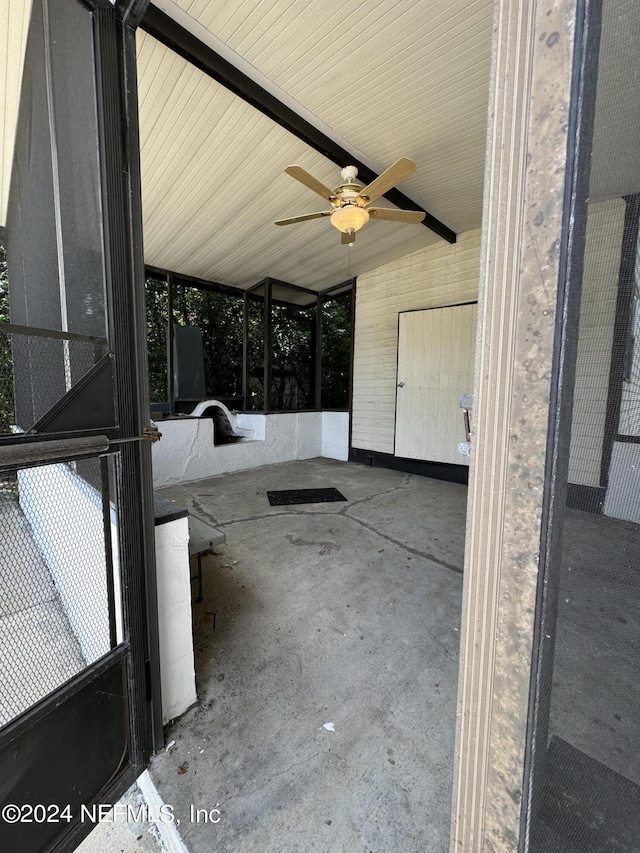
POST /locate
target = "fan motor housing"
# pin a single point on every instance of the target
(348, 194)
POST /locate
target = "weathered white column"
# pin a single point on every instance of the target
(524, 194)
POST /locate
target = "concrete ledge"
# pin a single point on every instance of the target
(187, 451)
(177, 669)
(203, 536)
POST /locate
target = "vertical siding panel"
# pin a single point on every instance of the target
(437, 276)
(603, 248)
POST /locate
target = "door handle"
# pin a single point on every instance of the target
(400, 385)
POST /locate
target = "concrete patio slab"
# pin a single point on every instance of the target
(343, 614)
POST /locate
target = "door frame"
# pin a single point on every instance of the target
(117, 103)
(120, 199)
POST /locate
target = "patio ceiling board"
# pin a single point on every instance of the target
(213, 185)
(407, 56)
(615, 169)
(411, 79)
(14, 22)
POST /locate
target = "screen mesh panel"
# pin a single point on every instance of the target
(585, 792)
(58, 578)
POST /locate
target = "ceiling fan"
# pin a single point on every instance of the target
(350, 201)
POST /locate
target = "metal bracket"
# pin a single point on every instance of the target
(152, 434)
(149, 433)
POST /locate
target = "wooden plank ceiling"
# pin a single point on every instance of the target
(14, 22)
(392, 79)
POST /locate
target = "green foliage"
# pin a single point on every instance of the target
(292, 357)
(255, 354)
(157, 307)
(7, 410)
(219, 316)
(336, 352)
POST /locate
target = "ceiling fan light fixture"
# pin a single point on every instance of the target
(349, 218)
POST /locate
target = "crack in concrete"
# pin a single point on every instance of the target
(342, 511)
(243, 793)
(425, 554)
(198, 506)
(264, 515)
(345, 513)
(345, 509)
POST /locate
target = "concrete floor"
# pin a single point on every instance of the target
(589, 795)
(341, 613)
(595, 700)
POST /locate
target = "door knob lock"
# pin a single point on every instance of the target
(400, 384)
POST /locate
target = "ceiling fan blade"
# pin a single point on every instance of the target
(309, 181)
(305, 218)
(396, 215)
(348, 239)
(393, 175)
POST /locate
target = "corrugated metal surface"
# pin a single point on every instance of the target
(437, 276)
(14, 22)
(603, 249)
(436, 349)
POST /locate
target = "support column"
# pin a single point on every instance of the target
(516, 382)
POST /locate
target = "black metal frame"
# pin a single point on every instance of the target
(14, 328)
(579, 144)
(317, 300)
(177, 38)
(316, 344)
(118, 149)
(171, 394)
(120, 165)
(317, 337)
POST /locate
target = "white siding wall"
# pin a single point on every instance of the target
(433, 277)
(630, 403)
(603, 246)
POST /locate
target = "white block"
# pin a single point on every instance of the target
(622, 499)
(177, 670)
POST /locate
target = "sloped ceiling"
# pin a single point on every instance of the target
(14, 22)
(615, 166)
(391, 79)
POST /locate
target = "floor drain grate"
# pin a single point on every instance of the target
(285, 497)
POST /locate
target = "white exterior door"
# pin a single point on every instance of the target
(436, 349)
